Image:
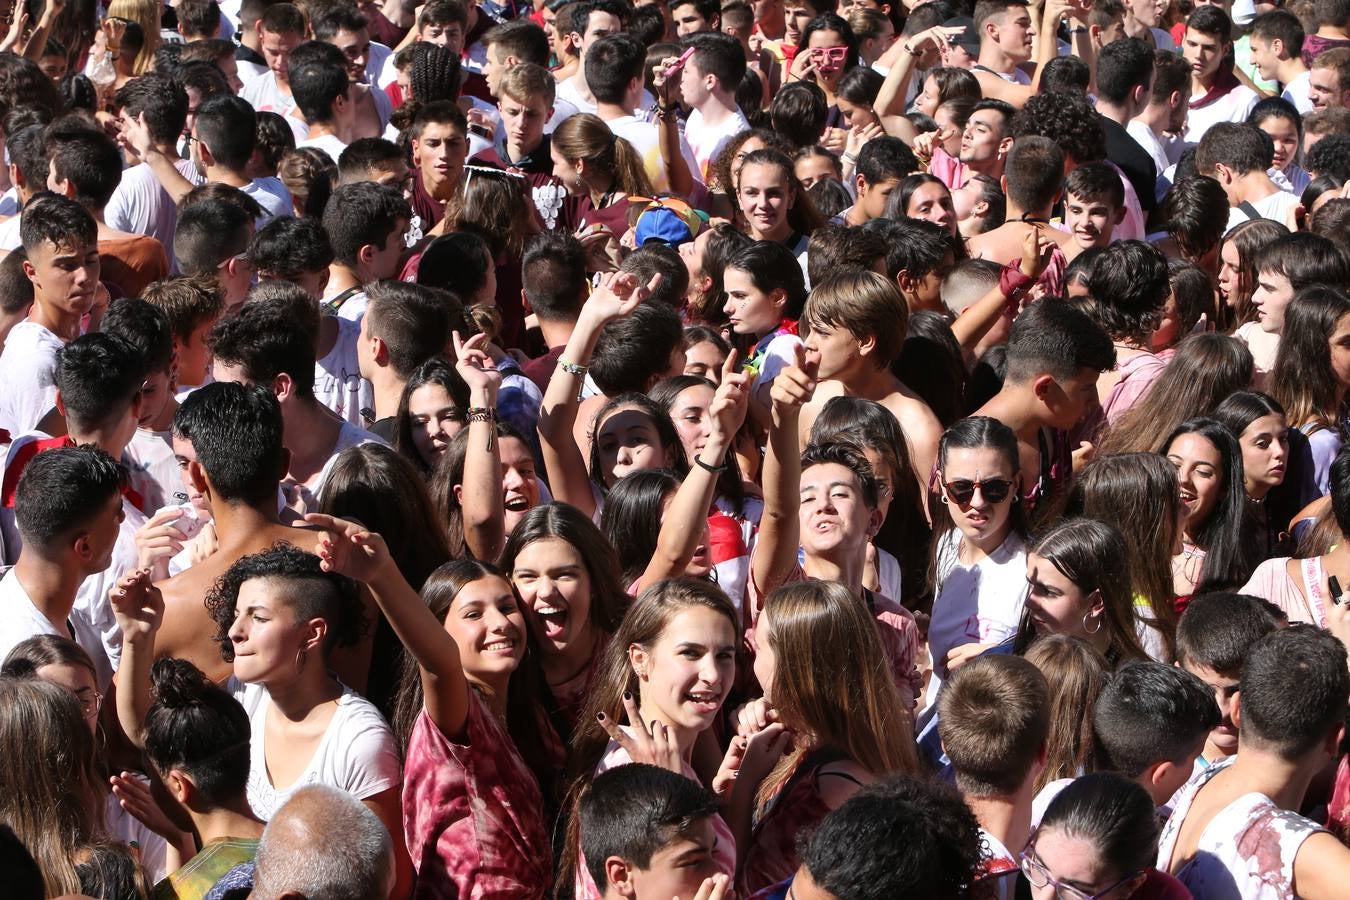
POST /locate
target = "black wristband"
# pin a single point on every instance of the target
(716, 470)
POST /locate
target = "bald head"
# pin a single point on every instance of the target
(324, 844)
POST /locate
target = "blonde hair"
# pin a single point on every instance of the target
(587, 137)
(527, 80)
(50, 791)
(832, 685)
(144, 13)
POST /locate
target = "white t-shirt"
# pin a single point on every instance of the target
(140, 205)
(19, 618)
(265, 95)
(980, 603)
(272, 195)
(567, 92)
(781, 353)
(1233, 106)
(305, 497)
(352, 308)
(153, 468)
(706, 141)
(357, 753)
(338, 384)
(1157, 151)
(151, 849)
(9, 234)
(1296, 92)
(646, 140)
(328, 143)
(28, 374)
(1276, 206)
(93, 613)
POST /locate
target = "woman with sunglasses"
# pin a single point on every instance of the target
(979, 562)
(1097, 841)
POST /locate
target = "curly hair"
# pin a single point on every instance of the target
(310, 592)
(1069, 120)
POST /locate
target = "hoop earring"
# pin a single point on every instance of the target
(1086, 620)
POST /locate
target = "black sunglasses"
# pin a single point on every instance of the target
(995, 490)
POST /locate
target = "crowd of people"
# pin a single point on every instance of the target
(764, 449)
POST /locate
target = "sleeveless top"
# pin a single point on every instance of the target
(1247, 850)
(796, 807)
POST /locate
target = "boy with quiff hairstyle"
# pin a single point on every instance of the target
(993, 718)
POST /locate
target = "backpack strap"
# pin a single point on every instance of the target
(332, 306)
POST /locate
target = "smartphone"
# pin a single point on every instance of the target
(1334, 586)
(481, 130)
(679, 63)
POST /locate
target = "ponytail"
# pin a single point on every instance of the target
(630, 176)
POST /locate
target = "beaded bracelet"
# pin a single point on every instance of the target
(485, 414)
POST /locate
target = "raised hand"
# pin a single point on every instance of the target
(136, 135)
(348, 548)
(652, 744)
(618, 295)
(754, 717)
(714, 887)
(731, 402)
(137, 604)
(137, 799)
(795, 385)
(860, 134)
(158, 541)
(761, 751)
(1037, 248)
(475, 366)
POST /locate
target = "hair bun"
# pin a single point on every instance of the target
(177, 683)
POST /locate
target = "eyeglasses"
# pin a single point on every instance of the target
(1040, 876)
(962, 490)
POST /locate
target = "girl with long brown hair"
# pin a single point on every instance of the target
(668, 671)
(1080, 586)
(774, 205)
(473, 811)
(600, 171)
(1075, 671)
(1139, 493)
(829, 712)
(1204, 371)
(53, 799)
(1312, 373)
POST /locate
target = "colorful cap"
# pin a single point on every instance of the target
(669, 220)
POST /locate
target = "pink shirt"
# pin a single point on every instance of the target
(1137, 375)
(472, 812)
